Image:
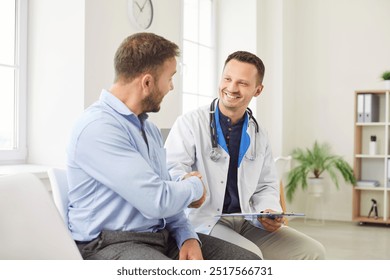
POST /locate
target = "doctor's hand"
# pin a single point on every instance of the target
(190, 250)
(270, 224)
(199, 202)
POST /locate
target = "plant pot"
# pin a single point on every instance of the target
(316, 186)
(315, 202)
(387, 84)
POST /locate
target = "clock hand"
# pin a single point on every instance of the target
(139, 7)
(143, 5)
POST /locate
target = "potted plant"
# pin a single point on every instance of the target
(314, 162)
(386, 77)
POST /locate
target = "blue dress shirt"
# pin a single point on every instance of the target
(117, 181)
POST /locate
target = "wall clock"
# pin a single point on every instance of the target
(140, 13)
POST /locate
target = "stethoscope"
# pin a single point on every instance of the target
(215, 153)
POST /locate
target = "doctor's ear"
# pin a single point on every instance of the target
(259, 90)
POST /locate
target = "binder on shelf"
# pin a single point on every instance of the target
(367, 183)
(371, 107)
(360, 108)
(388, 173)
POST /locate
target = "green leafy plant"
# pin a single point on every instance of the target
(314, 162)
(386, 75)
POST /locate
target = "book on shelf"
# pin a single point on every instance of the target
(367, 183)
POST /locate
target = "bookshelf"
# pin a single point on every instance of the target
(372, 166)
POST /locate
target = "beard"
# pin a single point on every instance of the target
(152, 102)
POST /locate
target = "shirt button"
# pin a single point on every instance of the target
(218, 210)
(221, 182)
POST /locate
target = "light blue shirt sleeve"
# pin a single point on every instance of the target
(181, 229)
(128, 174)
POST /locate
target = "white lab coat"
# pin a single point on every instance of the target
(188, 147)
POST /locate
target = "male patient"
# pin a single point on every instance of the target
(225, 143)
(123, 204)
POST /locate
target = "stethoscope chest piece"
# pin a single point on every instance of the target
(215, 154)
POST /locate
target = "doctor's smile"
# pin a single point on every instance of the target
(228, 94)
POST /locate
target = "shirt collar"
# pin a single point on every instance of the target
(245, 139)
(112, 101)
(227, 122)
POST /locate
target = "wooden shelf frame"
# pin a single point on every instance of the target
(383, 191)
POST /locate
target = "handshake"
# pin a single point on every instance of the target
(199, 202)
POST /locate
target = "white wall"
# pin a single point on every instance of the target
(270, 109)
(236, 30)
(256, 26)
(55, 77)
(71, 49)
(106, 25)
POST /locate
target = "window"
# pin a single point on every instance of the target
(13, 25)
(198, 54)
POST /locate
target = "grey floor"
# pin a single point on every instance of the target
(348, 240)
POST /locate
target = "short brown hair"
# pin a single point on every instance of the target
(250, 58)
(142, 52)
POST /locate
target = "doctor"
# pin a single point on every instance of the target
(226, 145)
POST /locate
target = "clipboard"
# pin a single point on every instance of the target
(269, 215)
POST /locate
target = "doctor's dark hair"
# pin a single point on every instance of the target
(141, 53)
(250, 58)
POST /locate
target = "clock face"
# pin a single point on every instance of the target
(141, 13)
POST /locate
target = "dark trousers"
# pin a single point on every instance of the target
(125, 245)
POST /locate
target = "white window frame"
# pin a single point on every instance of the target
(214, 89)
(19, 152)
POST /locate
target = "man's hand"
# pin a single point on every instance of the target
(271, 224)
(193, 173)
(199, 202)
(190, 250)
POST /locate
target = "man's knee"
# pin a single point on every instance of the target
(216, 248)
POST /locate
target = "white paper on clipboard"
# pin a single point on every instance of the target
(265, 214)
